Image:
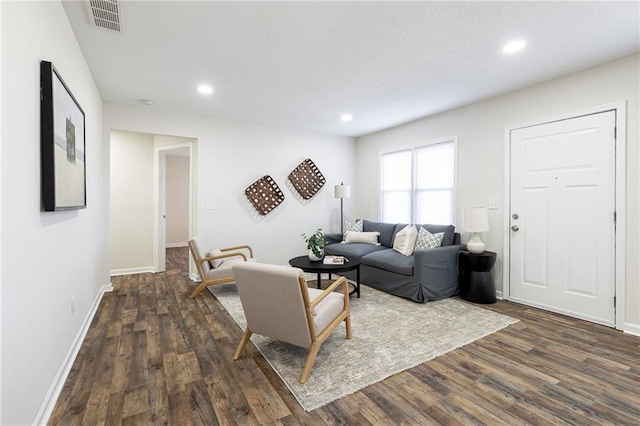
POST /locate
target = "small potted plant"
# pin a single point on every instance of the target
(315, 244)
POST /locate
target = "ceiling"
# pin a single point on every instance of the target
(302, 65)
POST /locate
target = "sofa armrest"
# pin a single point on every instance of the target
(332, 238)
(437, 271)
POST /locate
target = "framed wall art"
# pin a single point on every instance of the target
(62, 140)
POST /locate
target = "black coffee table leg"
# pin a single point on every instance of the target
(356, 288)
(319, 280)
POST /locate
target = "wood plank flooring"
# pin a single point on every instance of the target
(155, 357)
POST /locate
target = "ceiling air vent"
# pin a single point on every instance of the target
(105, 14)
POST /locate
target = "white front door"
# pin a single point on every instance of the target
(562, 236)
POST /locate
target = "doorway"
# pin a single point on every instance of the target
(137, 228)
(173, 194)
(562, 245)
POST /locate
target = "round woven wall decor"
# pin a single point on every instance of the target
(264, 194)
(307, 179)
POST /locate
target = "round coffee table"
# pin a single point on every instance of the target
(317, 267)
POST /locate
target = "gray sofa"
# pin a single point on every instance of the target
(426, 275)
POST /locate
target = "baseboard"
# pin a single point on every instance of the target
(499, 294)
(627, 327)
(632, 329)
(175, 245)
(132, 271)
(49, 402)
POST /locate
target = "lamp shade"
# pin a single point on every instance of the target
(475, 219)
(342, 191)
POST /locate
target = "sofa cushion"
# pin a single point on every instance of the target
(352, 250)
(405, 240)
(352, 237)
(348, 226)
(386, 231)
(426, 240)
(390, 260)
(449, 231)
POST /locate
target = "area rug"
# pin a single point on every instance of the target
(389, 335)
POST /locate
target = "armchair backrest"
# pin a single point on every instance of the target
(195, 246)
(274, 301)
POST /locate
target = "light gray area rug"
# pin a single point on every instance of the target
(389, 335)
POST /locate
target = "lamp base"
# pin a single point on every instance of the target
(475, 244)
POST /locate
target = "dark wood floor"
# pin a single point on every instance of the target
(154, 356)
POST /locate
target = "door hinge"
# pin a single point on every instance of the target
(615, 218)
(614, 301)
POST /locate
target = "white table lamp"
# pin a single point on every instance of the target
(342, 191)
(475, 220)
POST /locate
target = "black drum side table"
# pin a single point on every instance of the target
(474, 277)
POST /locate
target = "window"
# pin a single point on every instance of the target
(417, 184)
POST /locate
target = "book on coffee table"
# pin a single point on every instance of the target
(334, 260)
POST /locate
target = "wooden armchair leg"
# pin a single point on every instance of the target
(199, 289)
(311, 358)
(243, 342)
(347, 322)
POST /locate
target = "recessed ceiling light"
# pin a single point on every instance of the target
(346, 117)
(205, 89)
(147, 102)
(514, 46)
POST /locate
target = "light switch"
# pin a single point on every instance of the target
(210, 205)
(494, 204)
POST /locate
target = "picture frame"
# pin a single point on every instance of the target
(62, 144)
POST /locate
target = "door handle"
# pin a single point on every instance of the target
(515, 228)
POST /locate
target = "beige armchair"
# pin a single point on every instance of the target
(278, 303)
(224, 259)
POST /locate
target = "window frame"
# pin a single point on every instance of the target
(413, 191)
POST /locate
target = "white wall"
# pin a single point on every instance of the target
(46, 257)
(480, 129)
(230, 156)
(131, 206)
(177, 223)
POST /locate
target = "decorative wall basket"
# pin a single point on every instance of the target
(264, 194)
(307, 179)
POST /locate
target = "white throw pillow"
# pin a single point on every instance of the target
(427, 240)
(405, 240)
(351, 237)
(355, 227)
(215, 262)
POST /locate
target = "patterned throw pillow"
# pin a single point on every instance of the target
(427, 240)
(405, 240)
(355, 227)
(215, 262)
(351, 237)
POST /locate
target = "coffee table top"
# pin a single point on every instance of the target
(307, 265)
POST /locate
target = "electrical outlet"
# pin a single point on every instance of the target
(210, 205)
(73, 304)
(494, 204)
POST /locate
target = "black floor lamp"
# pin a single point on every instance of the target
(342, 191)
